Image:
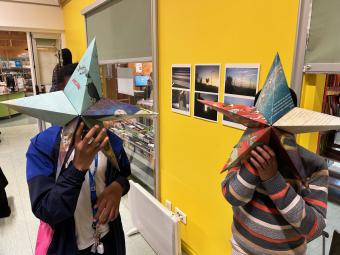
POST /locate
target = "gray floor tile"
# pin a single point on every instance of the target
(18, 120)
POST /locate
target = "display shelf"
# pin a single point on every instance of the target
(136, 149)
(138, 142)
(6, 112)
(15, 69)
(332, 88)
(330, 105)
(137, 134)
(330, 91)
(328, 143)
(142, 168)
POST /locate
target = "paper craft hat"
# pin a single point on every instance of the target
(80, 100)
(273, 121)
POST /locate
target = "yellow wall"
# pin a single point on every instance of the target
(75, 27)
(193, 151)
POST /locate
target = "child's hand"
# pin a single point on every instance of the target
(87, 147)
(108, 203)
(264, 160)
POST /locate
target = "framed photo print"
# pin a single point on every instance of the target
(207, 86)
(240, 87)
(180, 87)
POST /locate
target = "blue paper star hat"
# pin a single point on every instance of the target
(275, 99)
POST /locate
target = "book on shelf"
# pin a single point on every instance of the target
(333, 105)
(329, 142)
(333, 80)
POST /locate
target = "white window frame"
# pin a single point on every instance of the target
(301, 41)
(154, 59)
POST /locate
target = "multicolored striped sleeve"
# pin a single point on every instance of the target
(305, 212)
(239, 185)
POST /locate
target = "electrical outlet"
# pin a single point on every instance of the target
(181, 215)
(168, 205)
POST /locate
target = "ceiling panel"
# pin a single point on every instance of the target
(12, 44)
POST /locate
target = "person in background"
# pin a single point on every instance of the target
(66, 73)
(87, 191)
(10, 82)
(148, 90)
(274, 213)
(65, 57)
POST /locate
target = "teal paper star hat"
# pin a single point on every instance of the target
(275, 99)
(84, 87)
(81, 100)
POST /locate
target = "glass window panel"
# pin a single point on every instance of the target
(132, 83)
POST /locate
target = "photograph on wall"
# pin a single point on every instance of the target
(207, 85)
(181, 76)
(207, 78)
(181, 101)
(180, 86)
(203, 111)
(241, 79)
(240, 87)
(231, 99)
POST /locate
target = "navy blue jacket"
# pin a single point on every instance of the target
(54, 202)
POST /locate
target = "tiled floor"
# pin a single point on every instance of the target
(18, 120)
(18, 232)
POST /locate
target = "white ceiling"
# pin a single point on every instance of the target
(49, 2)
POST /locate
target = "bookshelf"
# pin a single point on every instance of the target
(329, 142)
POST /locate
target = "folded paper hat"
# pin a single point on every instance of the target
(273, 121)
(81, 100)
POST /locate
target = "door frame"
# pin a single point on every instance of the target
(34, 60)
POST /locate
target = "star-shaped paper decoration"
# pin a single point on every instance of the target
(274, 121)
(80, 100)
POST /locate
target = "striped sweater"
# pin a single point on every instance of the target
(280, 215)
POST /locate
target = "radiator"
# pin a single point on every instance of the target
(158, 226)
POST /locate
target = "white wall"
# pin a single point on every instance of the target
(30, 17)
(50, 2)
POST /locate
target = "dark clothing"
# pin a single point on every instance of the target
(61, 74)
(109, 246)
(68, 70)
(5, 210)
(54, 202)
(57, 78)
